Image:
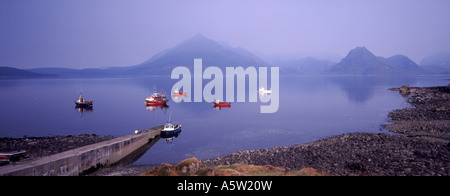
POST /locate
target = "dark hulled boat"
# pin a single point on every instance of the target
(81, 102)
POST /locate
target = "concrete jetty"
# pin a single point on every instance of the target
(80, 160)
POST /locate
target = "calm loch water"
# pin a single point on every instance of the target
(311, 107)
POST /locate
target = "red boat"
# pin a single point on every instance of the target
(6, 158)
(156, 99)
(218, 103)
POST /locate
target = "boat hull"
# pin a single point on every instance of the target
(171, 133)
(156, 100)
(155, 103)
(222, 104)
(84, 104)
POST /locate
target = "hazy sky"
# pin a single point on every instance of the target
(104, 33)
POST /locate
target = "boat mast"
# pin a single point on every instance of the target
(81, 92)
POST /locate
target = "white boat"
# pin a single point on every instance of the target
(264, 91)
(170, 132)
(171, 127)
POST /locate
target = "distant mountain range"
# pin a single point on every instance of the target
(307, 65)
(14, 73)
(359, 61)
(438, 63)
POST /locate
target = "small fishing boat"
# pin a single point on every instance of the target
(170, 131)
(156, 99)
(81, 102)
(219, 103)
(170, 128)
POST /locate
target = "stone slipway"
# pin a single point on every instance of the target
(77, 161)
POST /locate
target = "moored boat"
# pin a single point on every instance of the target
(81, 102)
(156, 99)
(170, 130)
(170, 127)
(7, 157)
(4, 160)
(219, 103)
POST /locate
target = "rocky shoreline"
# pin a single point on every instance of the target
(413, 152)
(354, 155)
(429, 116)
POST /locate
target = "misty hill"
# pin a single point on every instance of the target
(437, 63)
(404, 65)
(11, 73)
(307, 65)
(211, 52)
(360, 61)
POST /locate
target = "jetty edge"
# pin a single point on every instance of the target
(83, 159)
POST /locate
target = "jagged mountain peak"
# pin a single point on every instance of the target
(360, 52)
(360, 61)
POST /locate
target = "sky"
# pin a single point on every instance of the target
(108, 33)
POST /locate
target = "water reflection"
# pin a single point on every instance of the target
(153, 107)
(135, 155)
(169, 136)
(177, 97)
(81, 109)
(360, 89)
(218, 108)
